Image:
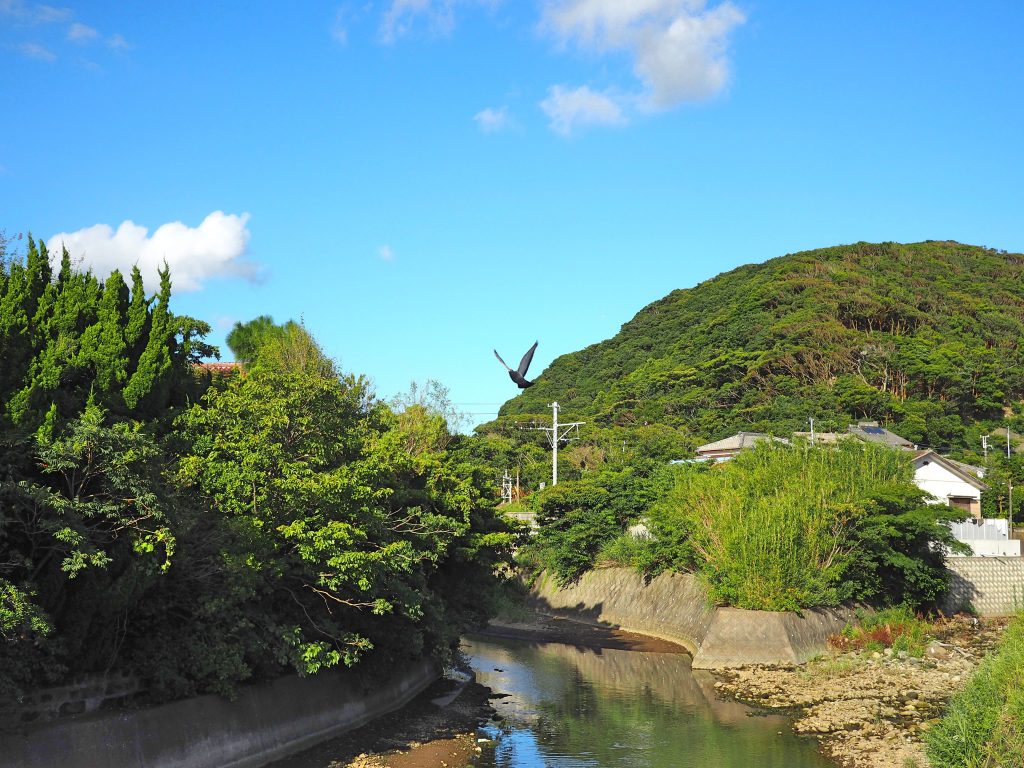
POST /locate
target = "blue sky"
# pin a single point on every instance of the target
(424, 180)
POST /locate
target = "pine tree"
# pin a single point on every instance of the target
(103, 350)
(135, 332)
(150, 379)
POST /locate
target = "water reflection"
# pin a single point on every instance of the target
(569, 707)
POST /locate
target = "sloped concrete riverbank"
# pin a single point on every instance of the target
(264, 723)
(675, 607)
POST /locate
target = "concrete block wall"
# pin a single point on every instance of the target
(989, 586)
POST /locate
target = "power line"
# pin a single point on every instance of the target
(555, 436)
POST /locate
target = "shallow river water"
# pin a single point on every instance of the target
(568, 707)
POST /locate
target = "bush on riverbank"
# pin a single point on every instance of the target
(200, 532)
(896, 628)
(984, 724)
(780, 528)
(578, 519)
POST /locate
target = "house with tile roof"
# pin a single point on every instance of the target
(870, 432)
(950, 482)
(219, 369)
(726, 448)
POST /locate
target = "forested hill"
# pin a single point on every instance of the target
(924, 337)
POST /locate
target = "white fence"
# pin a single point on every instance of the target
(987, 538)
(981, 530)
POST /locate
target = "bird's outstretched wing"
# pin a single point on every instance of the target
(524, 364)
(501, 361)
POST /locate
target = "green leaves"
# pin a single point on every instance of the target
(782, 529)
(351, 511)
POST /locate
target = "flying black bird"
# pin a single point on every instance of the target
(519, 376)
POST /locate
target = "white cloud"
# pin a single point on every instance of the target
(401, 15)
(493, 120)
(568, 109)
(118, 43)
(47, 14)
(386, 253)
(36, 51)
(216, 248)
(81, 33)
(339, 29)
(33, 13)
(679, 48)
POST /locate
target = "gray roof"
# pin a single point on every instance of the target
(870, 432)
(738, 442)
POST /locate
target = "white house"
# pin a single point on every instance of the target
(960, 485)
(951, 482)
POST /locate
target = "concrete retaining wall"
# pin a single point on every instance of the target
(675, 607)
(87, 694)
(737, 637)
(265, 723)
(672, 606)
(990, 586)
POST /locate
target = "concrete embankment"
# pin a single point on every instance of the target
(675, 607)
(265, 723)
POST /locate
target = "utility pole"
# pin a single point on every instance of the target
(1010, 516)
(812, 430)
(555, 434)
(506, 488)
(1007, 441)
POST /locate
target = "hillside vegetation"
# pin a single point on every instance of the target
(924, 337)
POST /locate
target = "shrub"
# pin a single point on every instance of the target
(781, 528)
(897, 628)
(578, 519)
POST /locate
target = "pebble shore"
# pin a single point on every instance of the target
(869, 709)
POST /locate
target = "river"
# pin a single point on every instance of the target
(566, 707)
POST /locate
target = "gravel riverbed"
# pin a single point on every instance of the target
(869, 709)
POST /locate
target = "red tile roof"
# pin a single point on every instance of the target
(223, 369)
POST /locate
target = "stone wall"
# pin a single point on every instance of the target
(989, 586)
(265, 723)
(675, 607)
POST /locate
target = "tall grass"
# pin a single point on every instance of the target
(984, 724)
(775, 528)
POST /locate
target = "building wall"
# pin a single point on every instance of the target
(1000, 548)
(936, 480)
(990, 586)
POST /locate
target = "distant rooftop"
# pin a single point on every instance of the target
(737, 442)
(869, 431)
(222, 369)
